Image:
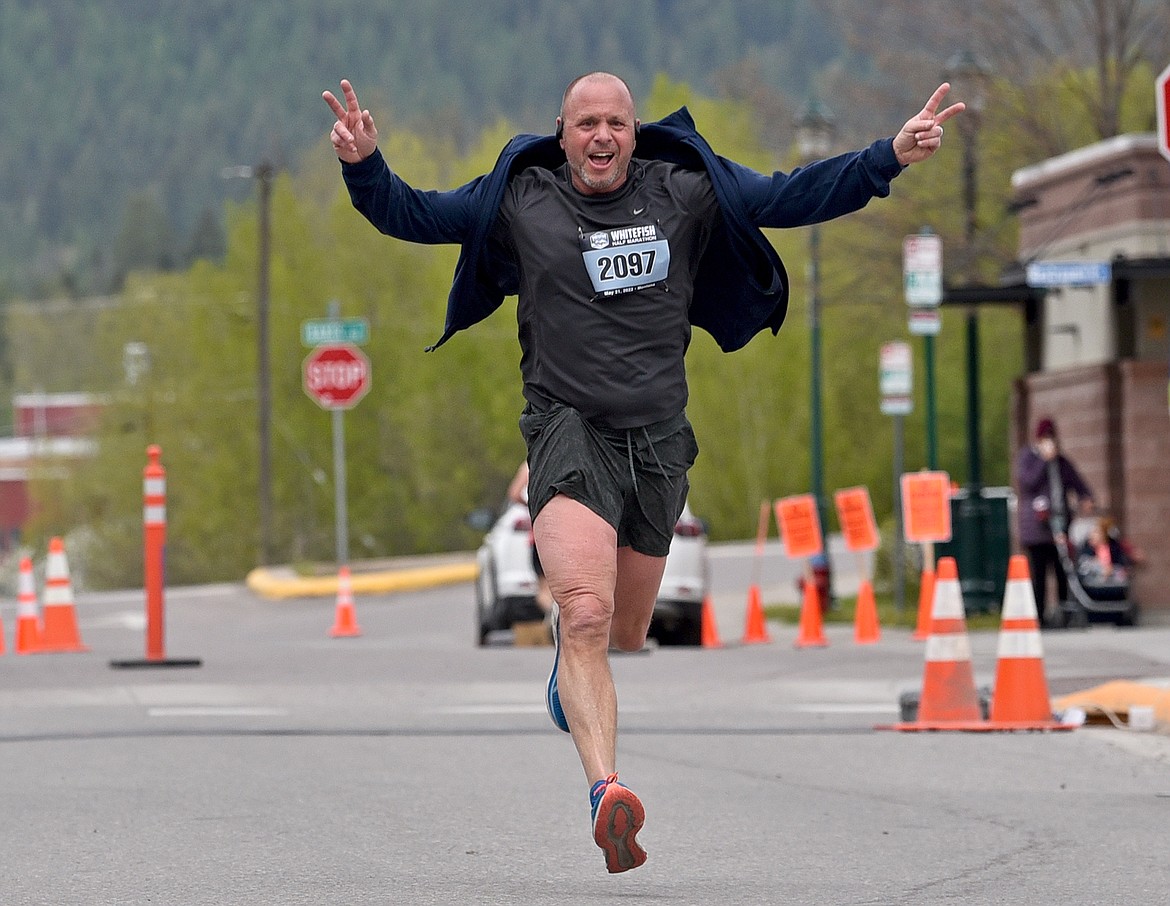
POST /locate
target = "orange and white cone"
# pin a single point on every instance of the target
(709, 630)
(1021, 698)
(949, 700)
(755, 626)
(345, 618)
(866, 627)
(28, 627)
(59, 632)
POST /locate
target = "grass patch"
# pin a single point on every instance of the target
(843, 609)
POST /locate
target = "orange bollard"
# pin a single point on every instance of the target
(60, 632)
(28, 627)
(866, 628)
(345, 618)
(755, 627)
(154, 545)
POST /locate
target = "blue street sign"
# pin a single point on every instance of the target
(1047, 274)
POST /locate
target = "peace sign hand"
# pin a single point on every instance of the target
(354, 136)
(922, 134)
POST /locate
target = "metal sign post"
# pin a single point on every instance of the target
(336, 376)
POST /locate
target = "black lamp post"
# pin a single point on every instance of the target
(263, 174)
(814, 137)
(971, 75)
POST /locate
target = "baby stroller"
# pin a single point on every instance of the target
(1099, 589)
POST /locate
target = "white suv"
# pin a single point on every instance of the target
(505, 587)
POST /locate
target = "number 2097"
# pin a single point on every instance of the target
(632, 264)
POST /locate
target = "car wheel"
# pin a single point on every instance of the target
(485, 596)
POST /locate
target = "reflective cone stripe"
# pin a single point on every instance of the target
(948, 680)
(60, 631)
(1021, 689)
(28, 629)
(345, 619)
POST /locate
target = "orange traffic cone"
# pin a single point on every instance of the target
(59, 633)
(949, 699)
(755, 628)
(866, 629)
(345, 619)
(1020, 700)
(812, 625)
(28, 628)
(925, 604)
(710, 632)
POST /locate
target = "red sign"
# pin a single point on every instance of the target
(337, 375)
(800, 525)
(855, 513)
(1162, 98)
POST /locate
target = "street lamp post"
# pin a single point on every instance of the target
(971, 74)
(814, 136)
(262, 173)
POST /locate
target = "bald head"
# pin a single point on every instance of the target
(598, 79)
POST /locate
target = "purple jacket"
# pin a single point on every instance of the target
(1034, 508)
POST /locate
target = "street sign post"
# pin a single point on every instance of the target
(322, 331)
(336, 375)
(922, 282)
(896, 379)
(1051, 274)
(1162, 97)
(922, 269)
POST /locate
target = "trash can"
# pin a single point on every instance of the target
(981, 544)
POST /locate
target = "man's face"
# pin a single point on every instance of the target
(599, 134)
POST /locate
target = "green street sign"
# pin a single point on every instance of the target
(322, 331)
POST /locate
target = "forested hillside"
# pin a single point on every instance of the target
(121, 117)
(122, 113)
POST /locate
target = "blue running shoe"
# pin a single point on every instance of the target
(551, 698)
(618, 815)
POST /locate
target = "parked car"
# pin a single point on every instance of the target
(505, 586)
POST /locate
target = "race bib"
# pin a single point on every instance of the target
(625, 259)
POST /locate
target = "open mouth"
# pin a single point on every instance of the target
(600, 160)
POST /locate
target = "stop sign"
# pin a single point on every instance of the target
(337, 375)
(1162, 91)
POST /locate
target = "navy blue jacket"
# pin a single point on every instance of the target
(741, 286)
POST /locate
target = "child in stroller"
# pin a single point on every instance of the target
(1099, 581)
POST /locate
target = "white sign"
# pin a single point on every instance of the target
(925, 322)
(922, 269)
(896, 379)
(1068, 273)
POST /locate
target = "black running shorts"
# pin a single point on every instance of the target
(635, 479)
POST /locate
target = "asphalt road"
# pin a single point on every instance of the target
(409, 766)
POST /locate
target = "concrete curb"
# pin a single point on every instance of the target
(281, 584)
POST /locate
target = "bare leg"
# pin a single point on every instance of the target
(638, 579)
(578, 550)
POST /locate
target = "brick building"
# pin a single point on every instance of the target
(48, 428)
(1095, 235)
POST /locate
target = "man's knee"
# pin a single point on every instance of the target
(585, 618)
